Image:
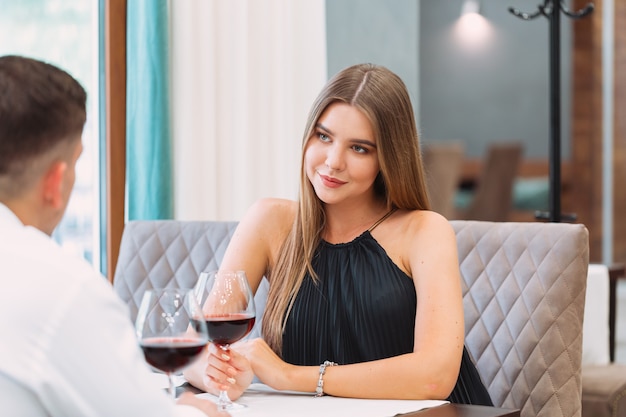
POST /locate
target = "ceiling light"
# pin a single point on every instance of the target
(470, 6)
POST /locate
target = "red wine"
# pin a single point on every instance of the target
(171, 354)
(225, 329)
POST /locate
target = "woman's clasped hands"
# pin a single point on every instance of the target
(234, 370)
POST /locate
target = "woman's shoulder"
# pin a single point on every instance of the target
(272, 214)
(410, 232)
(274, 207)
(423, 228)
(414, 220)
(405, 228)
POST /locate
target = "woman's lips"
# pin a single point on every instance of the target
(331, 182)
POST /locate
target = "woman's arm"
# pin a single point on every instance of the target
(252, 248)
(259, 235)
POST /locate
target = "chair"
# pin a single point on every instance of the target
(442, 164)
(604, 381)
(523, 294)
(493, 196)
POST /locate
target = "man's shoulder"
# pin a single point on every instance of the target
(29, 258)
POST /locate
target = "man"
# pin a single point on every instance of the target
(67, 347)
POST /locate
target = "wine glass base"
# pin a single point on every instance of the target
(231, 407)
(226, 404)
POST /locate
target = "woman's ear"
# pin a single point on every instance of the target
(53, 185)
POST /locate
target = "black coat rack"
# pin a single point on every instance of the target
(553, 12)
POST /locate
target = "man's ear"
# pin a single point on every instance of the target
(53, 184)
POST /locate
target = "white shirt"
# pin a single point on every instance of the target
(67, 346)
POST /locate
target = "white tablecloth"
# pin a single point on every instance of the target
(262, 401)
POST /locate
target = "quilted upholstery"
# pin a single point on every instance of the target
(164, 253)
(523, 293)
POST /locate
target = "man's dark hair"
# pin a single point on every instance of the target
(41, 106)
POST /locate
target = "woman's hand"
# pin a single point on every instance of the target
(217, 370)
(233, 370)
(227, 370)
(267, 366)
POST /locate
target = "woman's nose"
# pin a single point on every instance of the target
(335, 158)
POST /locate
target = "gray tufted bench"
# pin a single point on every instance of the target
(523, 292)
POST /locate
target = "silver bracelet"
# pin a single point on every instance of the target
(319, 391)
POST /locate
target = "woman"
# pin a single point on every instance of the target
(362, 274)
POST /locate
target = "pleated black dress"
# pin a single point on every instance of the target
(362, 309)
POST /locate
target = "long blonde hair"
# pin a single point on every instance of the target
(383, 98)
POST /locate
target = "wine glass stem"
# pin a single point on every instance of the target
(223, 402)
(171, 388)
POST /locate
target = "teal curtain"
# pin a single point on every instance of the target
(149, 179)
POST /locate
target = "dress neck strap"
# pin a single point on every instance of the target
(382, 219)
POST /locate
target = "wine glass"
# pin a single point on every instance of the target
(171, 330)
(228, 308)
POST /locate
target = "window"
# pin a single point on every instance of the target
(65, 33)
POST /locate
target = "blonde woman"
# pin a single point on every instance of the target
(365, 296)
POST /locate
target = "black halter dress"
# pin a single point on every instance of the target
(361, 309)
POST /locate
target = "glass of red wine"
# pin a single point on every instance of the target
(228, 308)
(171, 330)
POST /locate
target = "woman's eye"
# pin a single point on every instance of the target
(323, 137)
(359, 149)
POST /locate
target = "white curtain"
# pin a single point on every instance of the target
(244, 75)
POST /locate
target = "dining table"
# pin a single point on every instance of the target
(262, 401)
